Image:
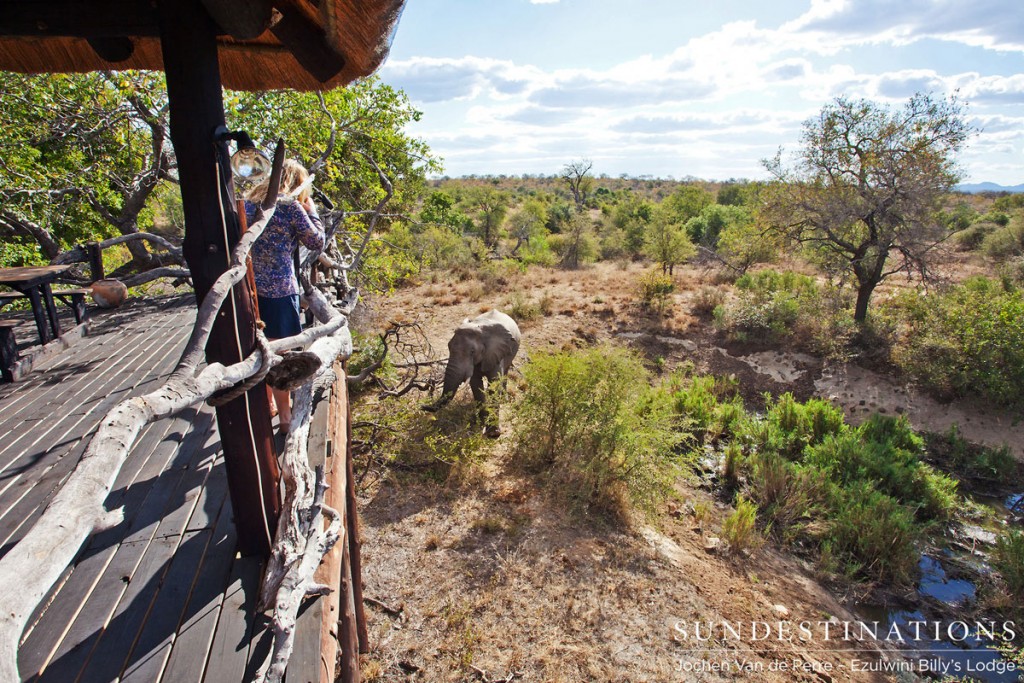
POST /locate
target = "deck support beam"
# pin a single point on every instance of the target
(188, 40)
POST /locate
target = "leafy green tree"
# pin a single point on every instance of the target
(489, 207)
(578, 244)
(80, 156)
(667, 242)
(686, 202)
(705, 228)
(347, 136)
(439, 210)
(632, 216)
(528, 223)
(868, 184)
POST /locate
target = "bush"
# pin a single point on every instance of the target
(591, 422)
(739, 530)
(654, 290)
(1005, 243)
(861, 496)
(521, 309)
(710, 406)
(967, 340)
(973, 236)
(707, 299)
(874, 531)
(773, 306)
(1008, 559)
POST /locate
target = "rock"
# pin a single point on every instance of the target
(976, 533)
(781, 610)
(712, 544)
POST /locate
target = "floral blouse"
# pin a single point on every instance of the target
(271, 254)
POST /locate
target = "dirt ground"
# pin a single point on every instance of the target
(481, 577)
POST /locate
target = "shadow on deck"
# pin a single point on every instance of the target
(162, 596)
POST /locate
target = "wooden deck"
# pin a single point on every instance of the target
(162, 596)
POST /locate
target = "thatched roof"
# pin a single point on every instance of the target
(328, 43)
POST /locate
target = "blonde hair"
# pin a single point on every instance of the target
(293, 175)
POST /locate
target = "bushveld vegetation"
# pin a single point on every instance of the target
(861, 499)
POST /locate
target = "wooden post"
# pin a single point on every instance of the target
(95, 260)
(188, 42)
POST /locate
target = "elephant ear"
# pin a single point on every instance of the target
(467, 345)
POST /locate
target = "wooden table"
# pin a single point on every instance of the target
(34, 282)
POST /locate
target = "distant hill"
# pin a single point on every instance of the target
(974, 188)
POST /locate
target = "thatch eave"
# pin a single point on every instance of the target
(337, 42)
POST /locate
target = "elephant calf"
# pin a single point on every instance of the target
(481, 347)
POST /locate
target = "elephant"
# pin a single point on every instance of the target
(481, 347)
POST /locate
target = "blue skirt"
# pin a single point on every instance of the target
(281, 316)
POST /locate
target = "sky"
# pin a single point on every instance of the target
(708, 89)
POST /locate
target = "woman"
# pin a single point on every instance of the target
(294, 221)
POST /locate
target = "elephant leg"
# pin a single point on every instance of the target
(476, 383)
(496, 393)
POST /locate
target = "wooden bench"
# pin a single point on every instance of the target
(8, 349)
(75, 300)
(7, 298)
(72, 298)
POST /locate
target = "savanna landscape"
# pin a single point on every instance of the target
(789, 404)
(578, 566)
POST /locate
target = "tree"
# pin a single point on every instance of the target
(632, 216)
(439, 210)
(578, 241)
(490, 206)
(80, 156)
(667, 242)
(344, 136)
(868, 185)
(575, 174)
(687, 202)
(527, 223)
(705, 228)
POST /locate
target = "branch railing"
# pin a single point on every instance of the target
(35, 564)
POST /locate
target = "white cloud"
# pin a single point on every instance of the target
(991, 24)
(716, 104)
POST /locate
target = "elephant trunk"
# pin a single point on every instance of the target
(454, 375)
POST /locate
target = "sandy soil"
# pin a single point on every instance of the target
(487, 580)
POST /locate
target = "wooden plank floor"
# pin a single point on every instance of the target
(162, 596)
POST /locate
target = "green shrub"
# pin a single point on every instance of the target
(739, 530)
(1004, 243)
(1008, 558)
(773, 306)
(874, 531)
(972, 460)
(654, 290)
(592, 423)
(861, 496)
(710, 405)
(521, 309)
(973, 236)
(966, 340)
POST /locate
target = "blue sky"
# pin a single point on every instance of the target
(707, 89)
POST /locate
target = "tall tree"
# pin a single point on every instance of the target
(80, 155)
(667, 242)
(576, 175)
(489, 206)
(868, 184)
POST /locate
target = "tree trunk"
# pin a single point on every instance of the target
(864, 291)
